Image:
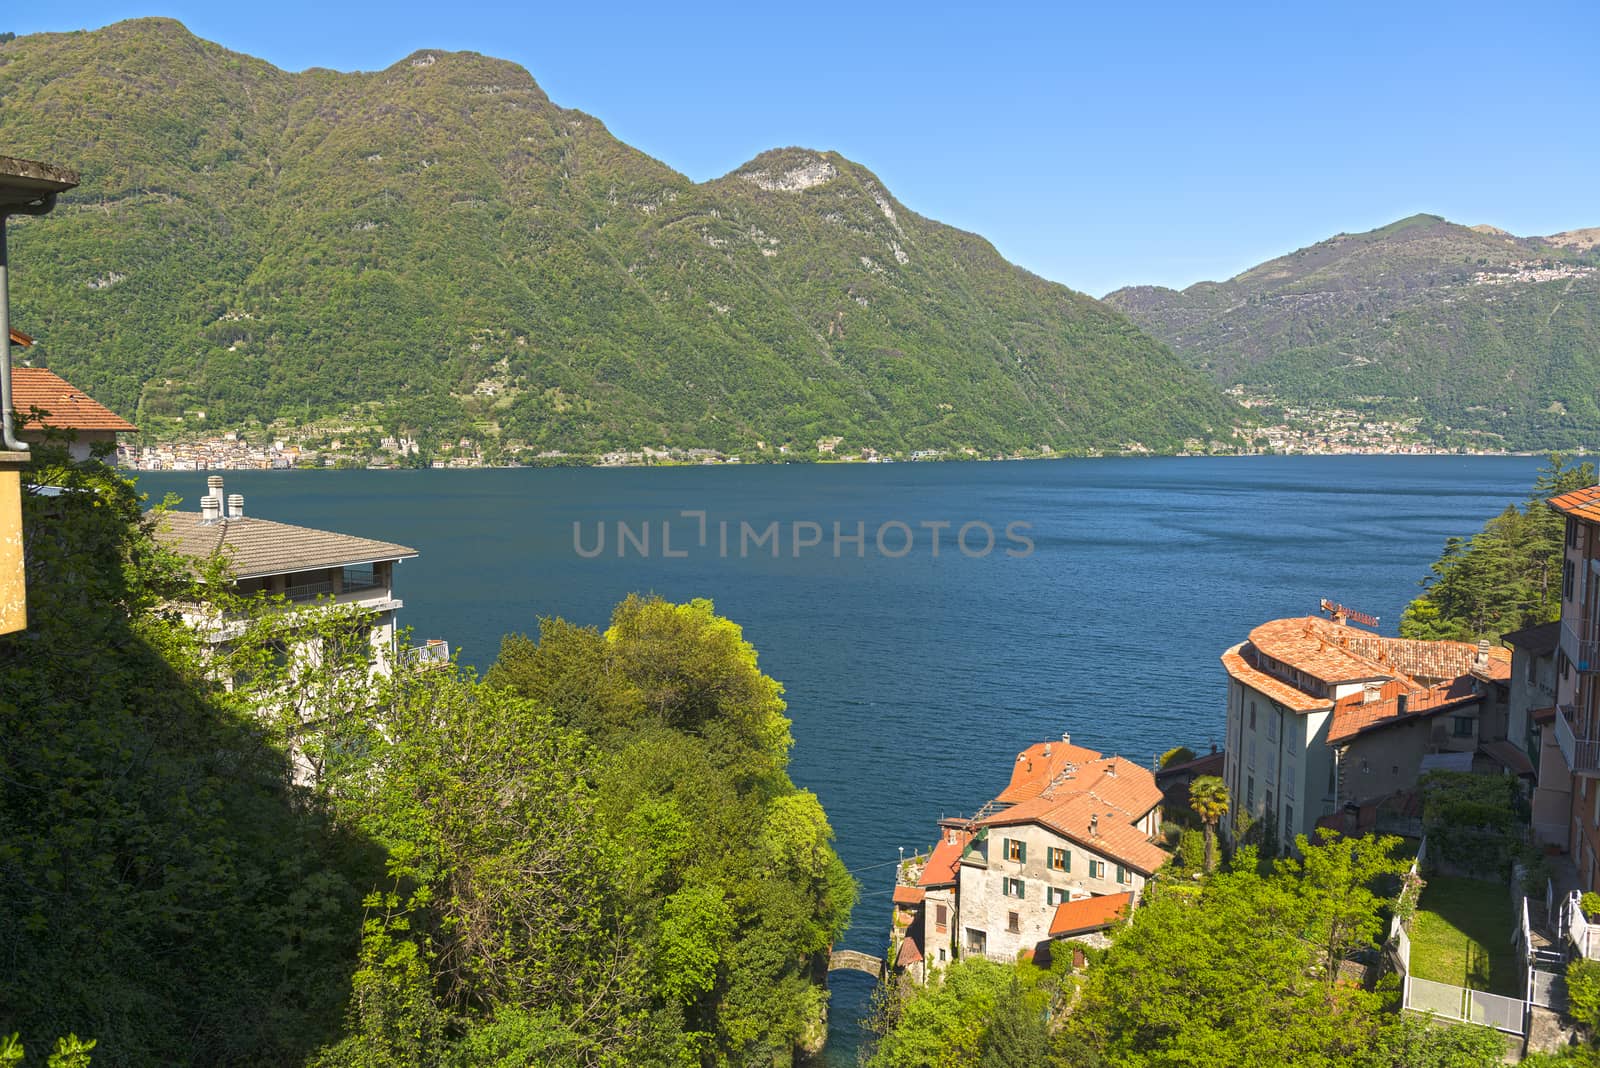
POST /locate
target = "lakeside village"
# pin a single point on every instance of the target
(1307, 431)
(1328, 727)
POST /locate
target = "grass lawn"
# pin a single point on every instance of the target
(1462, 935)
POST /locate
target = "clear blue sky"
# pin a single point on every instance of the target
(1097, 144)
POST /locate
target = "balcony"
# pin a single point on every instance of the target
(1582, 754)
(1585, 655)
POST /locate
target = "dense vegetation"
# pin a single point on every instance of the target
(438, 247)
(1505, 577)
(1240, 968)
(233, 856)
(1470, 328)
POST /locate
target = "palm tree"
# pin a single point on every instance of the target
(1208, 796)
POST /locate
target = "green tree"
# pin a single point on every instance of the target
(1208, 796)
(1339, 880)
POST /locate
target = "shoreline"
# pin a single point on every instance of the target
(852, 462)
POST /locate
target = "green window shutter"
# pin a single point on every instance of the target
(1066, 857)
(1122, 874)
(1022, 889)
(1022, 852)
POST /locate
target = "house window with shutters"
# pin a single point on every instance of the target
(1012, 887)
(941, 916)
(1060, 860)
(1017, 850)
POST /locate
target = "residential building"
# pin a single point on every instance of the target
(1573, 769)
(1323, 715)
(70, 416)
(1533, 683)
(1071, 825)
(304, 565)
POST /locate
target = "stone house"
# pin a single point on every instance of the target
(1071, 825)
(1324, 715)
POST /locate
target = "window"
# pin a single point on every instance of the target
(1055, 895)
(1097, 869)
(1060, 859)
(1017, 850)
(1462, 726)
(941, 916)
(1013, 922)
(1272, 727)
(977, 940)
(941, 956)
(1566, 580)
(1252, 715)
(1251, 763)
(1288, 819)
(1012, 887)
(1122, 874)
(1572, 533)
(1250, 791)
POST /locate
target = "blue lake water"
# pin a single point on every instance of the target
(913, 679)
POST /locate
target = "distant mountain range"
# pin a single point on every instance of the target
(441, 248)
(1487, 336)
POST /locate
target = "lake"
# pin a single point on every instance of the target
(914, 677)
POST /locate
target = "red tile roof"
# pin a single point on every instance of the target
(1095, 804)
(1580, 504)
(68, 407)
(908, 895)
(1335, 654)
(944, 863)
(909, 953)
(1039, 765)
(1293, 698)
(1089, 914)
(19, 338)
(1355, 715)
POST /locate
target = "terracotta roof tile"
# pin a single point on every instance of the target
(1580, 504)
(19, 338)
(1109, 794)
(908, 895)
(69, 408)
(1355, 715)
(944, 863)
(258, 547)
(1507, 755)
(910, 952)
(1038, 765)
(1290, 697)
(1089, 914)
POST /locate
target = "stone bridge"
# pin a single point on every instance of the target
(849, 959)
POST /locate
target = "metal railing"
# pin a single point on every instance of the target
(1585, 655)
(307, 591)
(360, 579)
(433, 654)
(1581, 754)
(1585, 936)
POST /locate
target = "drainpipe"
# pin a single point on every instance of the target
(9, 439)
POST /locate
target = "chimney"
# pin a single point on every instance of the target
(1094, 824)
(1111, 769)
(214, 483)
(235, 506)
(1066, 739)
(210, 509)
(1482, 660)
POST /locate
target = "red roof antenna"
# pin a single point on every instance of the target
(1340, 614)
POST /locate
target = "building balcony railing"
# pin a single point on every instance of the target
(1584, 655)
(1582, 754)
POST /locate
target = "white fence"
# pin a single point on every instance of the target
(1451, 1002)
(1585, 936)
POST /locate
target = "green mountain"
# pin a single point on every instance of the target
(1471, 328)
(439, 244)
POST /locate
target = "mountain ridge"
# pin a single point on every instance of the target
(438, 245)
(1490, 338)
